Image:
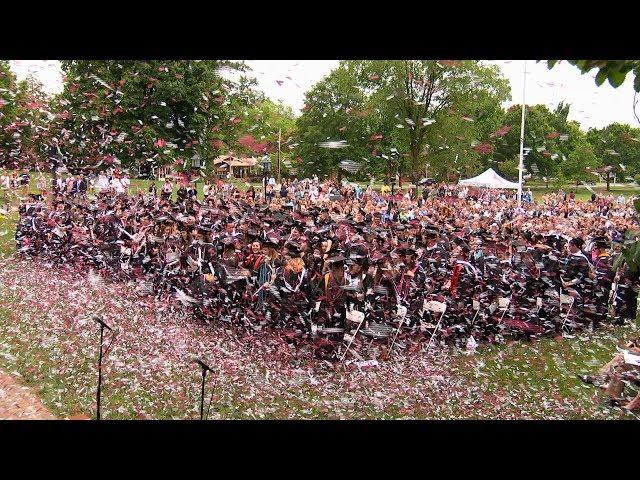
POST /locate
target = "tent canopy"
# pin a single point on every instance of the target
(488, 179)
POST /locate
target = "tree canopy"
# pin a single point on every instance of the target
(130, 112)
(436, 118)
(400, 115)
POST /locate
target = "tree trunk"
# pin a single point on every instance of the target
(608, 181)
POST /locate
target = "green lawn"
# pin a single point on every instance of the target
(583, 194)
(56, 355)
(520, 380)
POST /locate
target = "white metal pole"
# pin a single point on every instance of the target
(279, 140)
(521, 165)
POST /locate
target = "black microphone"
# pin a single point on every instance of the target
(96, 318)
(203, 365)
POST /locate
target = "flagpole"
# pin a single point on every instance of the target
(279, 140)
(521, 164)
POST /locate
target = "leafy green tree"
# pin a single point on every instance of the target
(34, 115)
(270, 123)
(540, 137)
(8, 111)
(615, 71)
(580, 164)
(419, 94)
(510, 168)
(448, 151)
(24, 119)
(335, 111)
(152, 111)
(618, 147)
(395, 115)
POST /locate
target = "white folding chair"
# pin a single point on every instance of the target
(401, 313)
(435, 307)
(357, 317)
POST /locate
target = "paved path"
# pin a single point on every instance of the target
(18, 402)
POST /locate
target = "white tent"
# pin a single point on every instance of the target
(488, 179)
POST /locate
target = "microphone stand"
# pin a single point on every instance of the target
(103, 325)
(205, 368)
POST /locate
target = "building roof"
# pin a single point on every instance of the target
(235, 161)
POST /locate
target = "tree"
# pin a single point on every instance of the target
(24, 119)
(540, 137)
(510, 168)
(395, 115)
(129, 113)
(336, 110)
(270, 123)
(420, 94)
(8, 111)
(618, 148)
(615, 71)
(581, 163)
(449, 152)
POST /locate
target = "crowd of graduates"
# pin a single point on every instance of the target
(339, 266)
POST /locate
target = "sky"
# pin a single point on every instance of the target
(591, 105)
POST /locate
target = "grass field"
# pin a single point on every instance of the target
(44, 340)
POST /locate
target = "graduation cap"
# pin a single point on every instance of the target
(404, 249)
(336, 259)
(293, 248)
(254, 234)
(600, 242)
(270, 244)
(431, 230)
(578, 242)
(460, 241)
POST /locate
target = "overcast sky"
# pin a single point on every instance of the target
(287, 80)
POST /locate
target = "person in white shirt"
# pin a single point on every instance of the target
(61, 185)
(42, 184)
(167, 189)
(125, 183)
(205, 189)
(116, 185)
(101, 184)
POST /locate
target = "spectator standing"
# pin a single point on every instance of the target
(167, 189)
